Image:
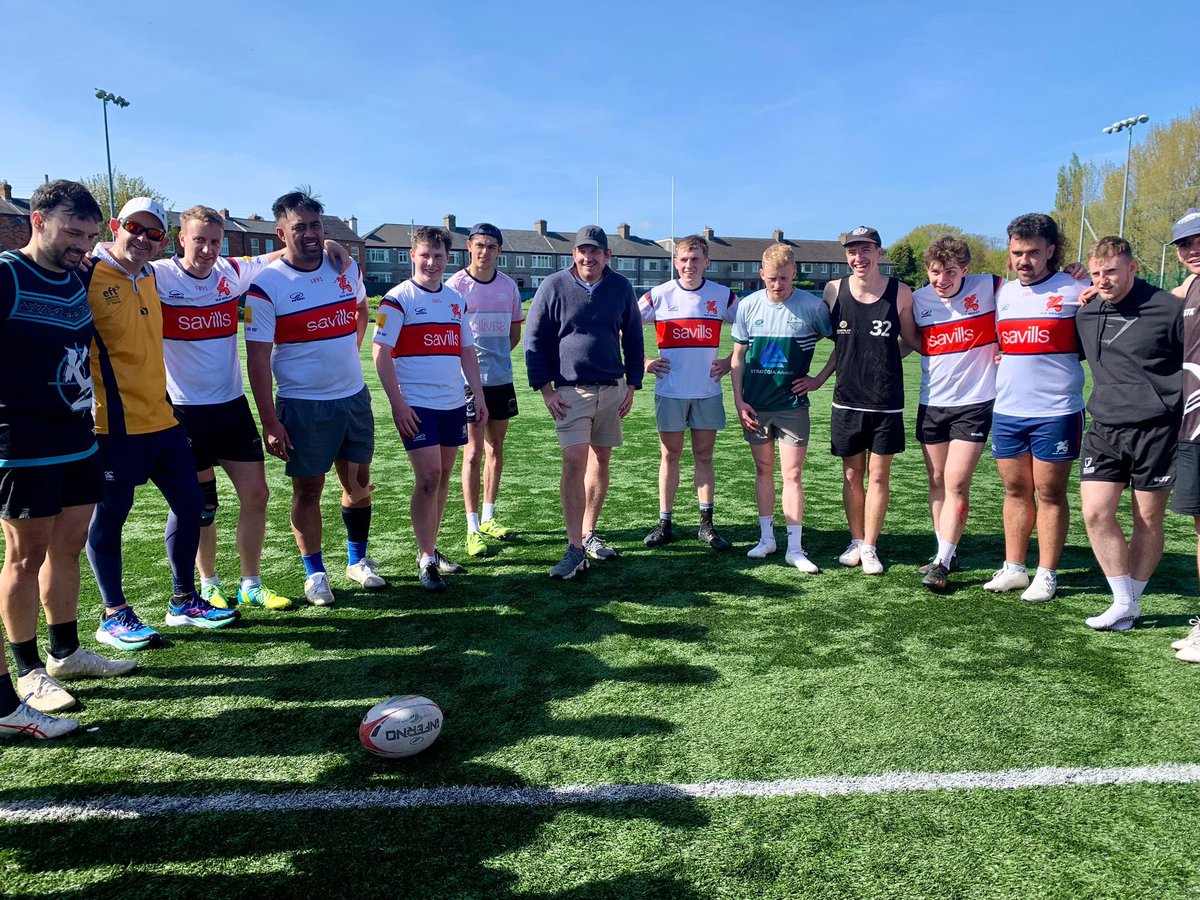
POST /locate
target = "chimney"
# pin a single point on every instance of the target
(255, 217)
(540, 226)
(623, 230)
(708, 233)
(6, 190)
(777, 236)
(449, 221)
(353, 223)
(224, 213)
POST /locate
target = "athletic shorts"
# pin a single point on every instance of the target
(1139, 455)
(787, 425)
(941, 424)
(221, 431)
(501, 401)
(1186, 500)
(324, 430)
(439, 428)
(678, 413)
(1048, 438)
(592, 415)
(854, 431)
(37, 492)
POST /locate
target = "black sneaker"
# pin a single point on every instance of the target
(431, 578)
(709, 535)
(954, 567)
(937, 578)
(597, 549)
(446, 566)
(663, 532)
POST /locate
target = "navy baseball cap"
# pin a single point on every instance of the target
(487, 229)
(862, 233)
(591, 234)
(1186, 226)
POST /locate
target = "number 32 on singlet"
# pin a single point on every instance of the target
(881, 328)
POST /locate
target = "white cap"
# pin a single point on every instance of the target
(144, 204)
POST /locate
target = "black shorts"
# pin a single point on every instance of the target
(940, 424)
(1139, 455)
(501, 400)
(221, 431)
(37, 492)
(853, 431)
(1186, 499)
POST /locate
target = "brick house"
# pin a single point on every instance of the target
(14, 219)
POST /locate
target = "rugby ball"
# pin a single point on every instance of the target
(400, 726)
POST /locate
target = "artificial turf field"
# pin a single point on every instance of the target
(668, 667)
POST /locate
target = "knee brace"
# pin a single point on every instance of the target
(208, 490)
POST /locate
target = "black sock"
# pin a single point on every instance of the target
(26, 655)
(64, 639)
(9, 700)
(357, 520)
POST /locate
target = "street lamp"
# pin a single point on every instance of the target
(1114, 128)
(107, 97)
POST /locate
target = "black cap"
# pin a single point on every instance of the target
(487, 230)
(861, 234)
(593, 235)
(1186, 226)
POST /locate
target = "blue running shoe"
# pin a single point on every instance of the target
(125, 631)
(199, 613)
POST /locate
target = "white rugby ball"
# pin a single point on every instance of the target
(400, 726)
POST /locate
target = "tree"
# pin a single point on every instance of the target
(907, 267)
(987, 254)
(125, 188)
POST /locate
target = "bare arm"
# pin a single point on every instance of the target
(258, 371)
(514, 335)
(470, 368)
(360, 323)
(745, 412)
(909, 333)
(1182, 290)
(406, 421)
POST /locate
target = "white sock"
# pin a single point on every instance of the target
(766, 527)
(489, 511)
(1015, 567)
(215, 581)
(1139, 587)
(249, 583)
(472, 521)
(793, 532)
(865, 547)
(945, 552)
(937, 537)
(1053, 573)
(425, 561)
(1122, 590)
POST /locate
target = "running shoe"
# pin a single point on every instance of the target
(1115, 618)
(494, 529)
(869, 559)
(663, 532)
(431, 578)
(43, 692)
(1188, 653)
(215, 596)
(125, 631)
(937, 578)
(1006, 579)
(476, 546)
(597, 548)
(196, 612)
(1192, 637)
(800, 560)
(365, 573)
(25, 721)
(263, 596)
(851, 556)
(708, 534)
(764, 548)
(316, 589)
(1042, 588)
(86, 664)
(953, 567)
(447, 566)
(573, 562)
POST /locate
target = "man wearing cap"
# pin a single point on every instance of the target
(582, 320)
(867, 309)
(140, 439)
(493, 312)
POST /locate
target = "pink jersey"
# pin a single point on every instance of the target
(958, 342)
(687, 325)
(312, 318)
(1040, 374)
(426, 333)
(492, 307)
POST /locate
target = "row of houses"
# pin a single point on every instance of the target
(528, 255)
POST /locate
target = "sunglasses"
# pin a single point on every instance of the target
(152, 234)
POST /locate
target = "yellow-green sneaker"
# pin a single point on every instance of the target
(475, 544)
(215, 596)
(494, 529)
(263, 596)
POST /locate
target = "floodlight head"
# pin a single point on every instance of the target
(1107, 130)
(1143, 118)
(99, 94)
(121, 102)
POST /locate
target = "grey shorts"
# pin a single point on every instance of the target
(677, 413)
(324, 430)
(789, 426)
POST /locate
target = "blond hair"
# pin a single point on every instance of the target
(1111, 248)
(779, 255)
(692, 242)
(203, 215)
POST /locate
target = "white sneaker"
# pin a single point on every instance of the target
(1189, 653)
(86, 664)
(1192, 637)
(43, 693)
(316, 589)
(1006, 579)
(27, 721)
(871, 564)
(764, 548)
(800, 560)
(364, 572)
(1115, 618)
(1042, 588)
(851, 556)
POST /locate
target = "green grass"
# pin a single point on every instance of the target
(676, 665)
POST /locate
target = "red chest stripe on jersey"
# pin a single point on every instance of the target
(688, 333)
(432, 339)
(331, 321)
(191, 323)
(958, 336)
(1038, 335)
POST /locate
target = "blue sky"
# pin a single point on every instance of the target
(766, 115)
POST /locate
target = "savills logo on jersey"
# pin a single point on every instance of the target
(339, 319)
(961, 337)
(217, 319)
(697, 331)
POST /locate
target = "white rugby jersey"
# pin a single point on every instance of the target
(200, 323)
(958, 342)
(426, 333)
(688, 329)
(491, 308)
(312, 318)
(1040, 373)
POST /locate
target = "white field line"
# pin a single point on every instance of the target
(573, 795)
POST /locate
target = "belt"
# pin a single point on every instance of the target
(559, 384)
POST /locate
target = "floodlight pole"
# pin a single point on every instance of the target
(105, 97)
(1114, 128)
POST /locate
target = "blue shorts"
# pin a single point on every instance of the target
(1048, 438)
(439, 428)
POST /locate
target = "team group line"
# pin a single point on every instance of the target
(125, 368)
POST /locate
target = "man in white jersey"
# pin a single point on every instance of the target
(1037, 423)
(955, 315)
(199, 290)
(493, 313)
(305, 323)
(423, 349)
(687, 313)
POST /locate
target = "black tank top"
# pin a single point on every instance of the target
(1189, 430)
(866, 347)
